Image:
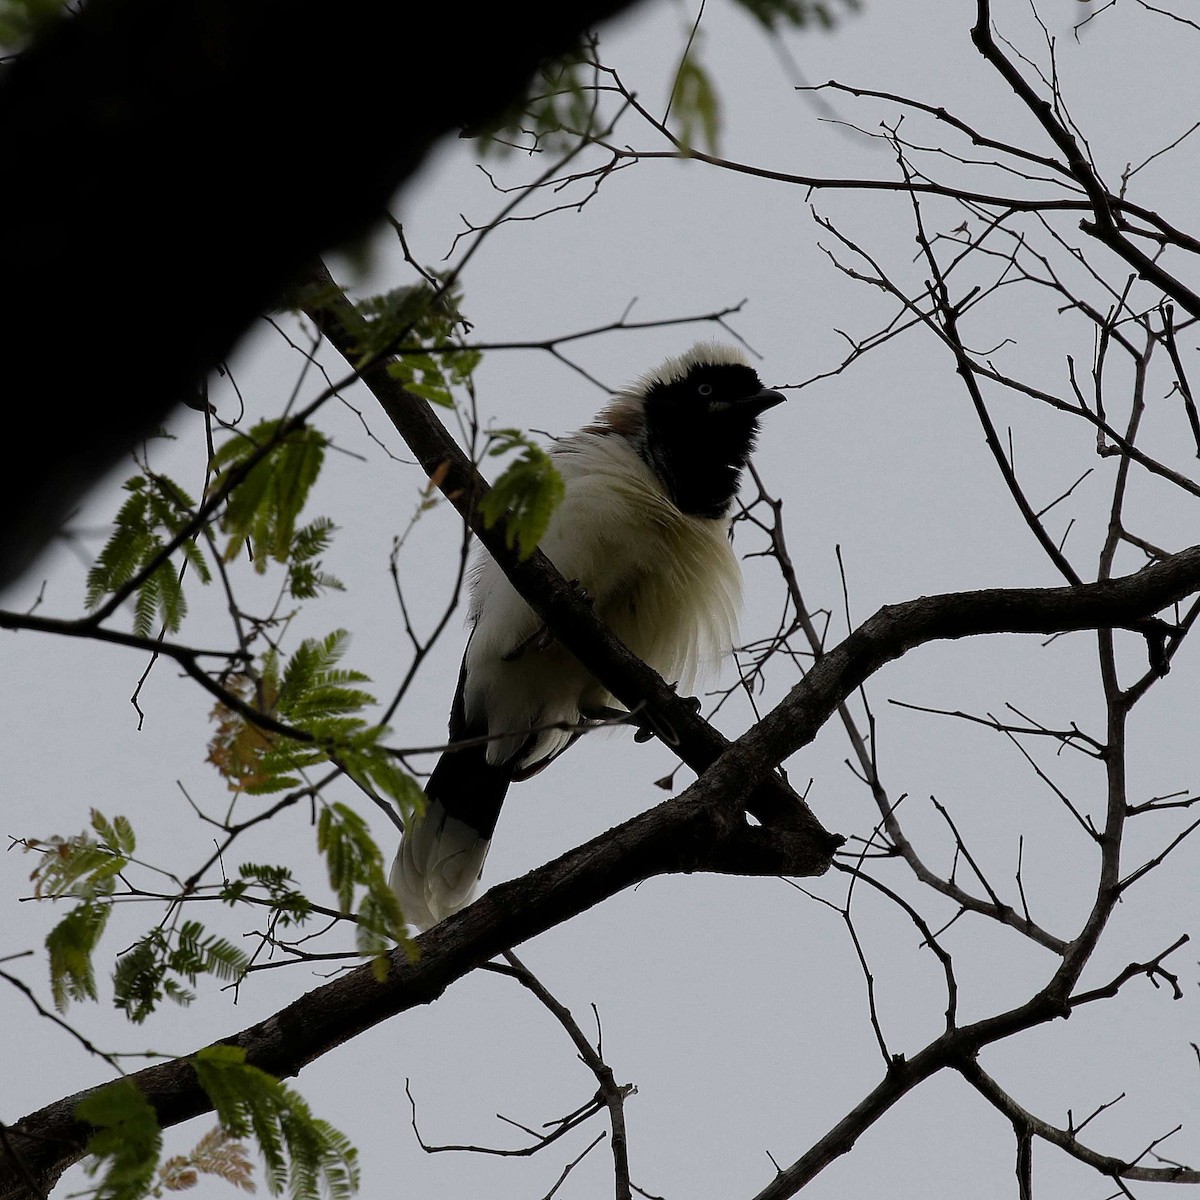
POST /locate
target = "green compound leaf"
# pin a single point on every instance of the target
(312, 692)
(355, 862)
(156, 510)
(305, 577)
(419, 324)
(157, 965)
(85, 868)
(303, 1155)
(289, 905)
(801, 14)
(558, 112)
(126, 1143)
(526, 494)
(70, 945)
(262, 510)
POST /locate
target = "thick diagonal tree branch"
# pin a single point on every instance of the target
(1127, 602)
(697, 830)
(702, 829)
(572, 620)
(888, 635)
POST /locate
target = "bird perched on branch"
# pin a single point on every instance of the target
(643, 529)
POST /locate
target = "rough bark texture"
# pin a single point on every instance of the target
(694, 831)
(678, 835)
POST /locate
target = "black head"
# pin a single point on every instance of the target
(701, 417)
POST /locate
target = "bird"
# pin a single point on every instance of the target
(643, 531)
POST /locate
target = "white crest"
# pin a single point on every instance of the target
(717, 353)
(624, 412)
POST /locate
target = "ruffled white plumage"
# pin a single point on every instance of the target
(667, 583)
(436, 869)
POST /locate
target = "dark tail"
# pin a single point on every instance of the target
(441, 854)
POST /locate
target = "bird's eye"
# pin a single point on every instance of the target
(705, 389)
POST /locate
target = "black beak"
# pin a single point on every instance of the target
(760, 401)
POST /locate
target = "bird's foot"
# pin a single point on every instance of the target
(649, 726)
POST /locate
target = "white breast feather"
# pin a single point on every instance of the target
(666, 583)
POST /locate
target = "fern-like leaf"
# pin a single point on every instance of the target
(306, 1156)
(159, 963)
(313, 692)
(126, 1141)
(263, 508)
(355, 861)
(289, 906)
(419, 316)
(70, 945)
(85, 868)
(156, 510)
(695, 106)
(215, 1154)
(526, 494)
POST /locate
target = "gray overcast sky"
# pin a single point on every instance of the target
(737, 1006)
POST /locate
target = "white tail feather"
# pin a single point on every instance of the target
(437, 866)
